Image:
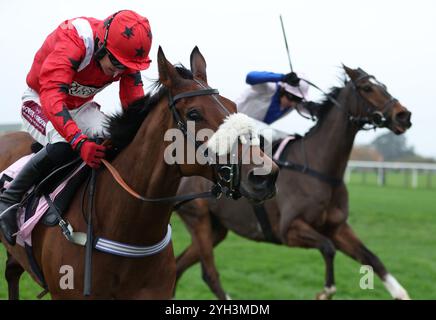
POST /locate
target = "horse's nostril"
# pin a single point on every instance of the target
(262, 181)
(256, 180)
(403, 117)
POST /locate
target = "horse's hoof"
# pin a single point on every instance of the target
(326, 294)
(403, 296)
(323, 296)
(228, 297)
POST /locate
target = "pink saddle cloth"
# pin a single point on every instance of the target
(282, 147)
(24, 234)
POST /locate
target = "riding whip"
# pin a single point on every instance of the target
(286, 43)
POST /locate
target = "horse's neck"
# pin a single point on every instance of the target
(328, 148)
(142, 166)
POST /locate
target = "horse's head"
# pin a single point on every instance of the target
(379, 108)
(200, 113)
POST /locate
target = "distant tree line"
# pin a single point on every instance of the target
(388, 147)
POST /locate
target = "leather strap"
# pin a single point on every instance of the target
(334, 182)
(185, 198)
(203, 92)
(265, 225)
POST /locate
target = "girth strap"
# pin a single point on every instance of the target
(265, 225)
(110, 246)
(130, 251)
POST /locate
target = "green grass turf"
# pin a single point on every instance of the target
(396, 223)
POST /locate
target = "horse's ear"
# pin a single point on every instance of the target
(168, 75)
(353, 74)
(198, 64)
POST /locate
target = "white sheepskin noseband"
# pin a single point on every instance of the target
(236, 125)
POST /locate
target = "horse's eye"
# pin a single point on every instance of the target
(194, 115)
(367, 88)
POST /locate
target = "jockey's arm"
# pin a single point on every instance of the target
(55, 79)
(131, 87)
(257, 77)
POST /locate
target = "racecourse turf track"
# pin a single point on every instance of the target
(395, 222)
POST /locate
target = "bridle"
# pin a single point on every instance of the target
(377, 115)
(227, 176)
(376, 118)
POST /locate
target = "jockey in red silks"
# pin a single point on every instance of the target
(76, 61)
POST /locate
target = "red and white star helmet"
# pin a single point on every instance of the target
(127, 36)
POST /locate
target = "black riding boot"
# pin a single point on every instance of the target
(41, 164)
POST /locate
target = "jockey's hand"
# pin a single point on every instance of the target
(292, 79)
(91, 153)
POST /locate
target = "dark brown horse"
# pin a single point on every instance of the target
(138, 134)
(307, 211)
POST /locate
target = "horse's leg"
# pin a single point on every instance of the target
(13, 272)
(300, 234)
(205, 236)
(347, 242)
(184, 261)
(209, 236)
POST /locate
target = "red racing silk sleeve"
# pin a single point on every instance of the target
(55, 79)
(131, 87)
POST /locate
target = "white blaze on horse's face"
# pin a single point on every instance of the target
(235, 126)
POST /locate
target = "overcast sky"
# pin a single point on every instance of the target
(393, 40)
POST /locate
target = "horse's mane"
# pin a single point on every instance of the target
(324, 108)
(122, 127)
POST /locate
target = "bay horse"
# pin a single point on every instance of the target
(138, 135)
(307, 212)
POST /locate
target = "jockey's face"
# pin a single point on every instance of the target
(288, 102)
(108, 68)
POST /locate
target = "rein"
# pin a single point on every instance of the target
(187, 197)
